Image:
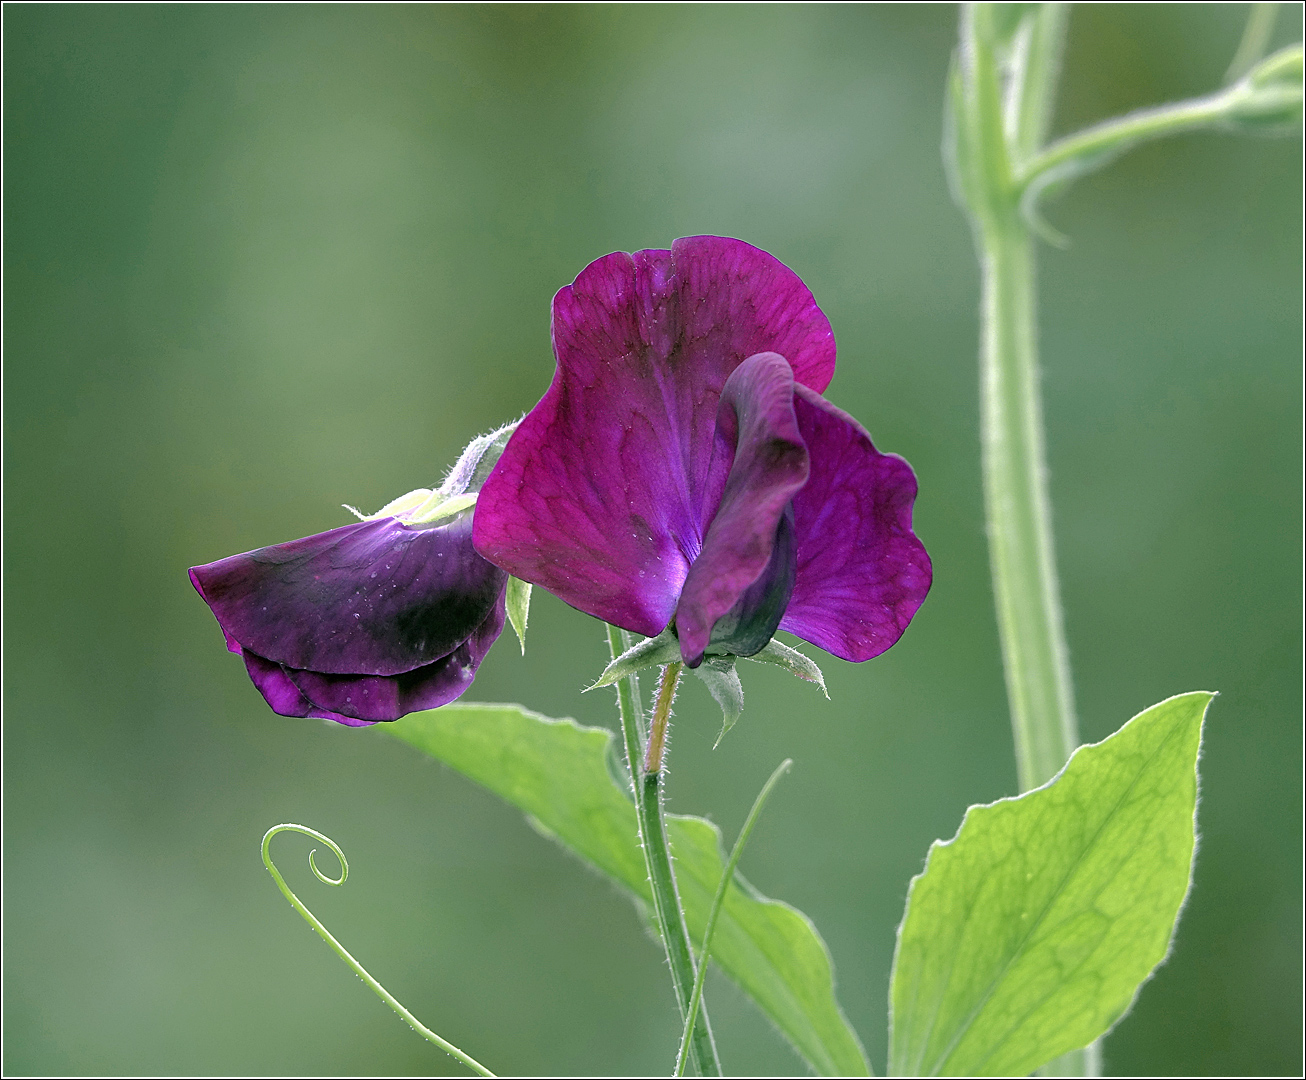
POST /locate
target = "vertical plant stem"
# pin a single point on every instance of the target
(672, 920)
(1007, 89)
(630, 708)
(1021, 551)
(647, 786)
(1019, 513)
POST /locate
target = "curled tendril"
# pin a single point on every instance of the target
(335, 850)
(325, 934)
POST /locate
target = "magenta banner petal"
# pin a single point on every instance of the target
(602, 496)
(757, 436)
(862, 574)
(683, 465)
(373, 598)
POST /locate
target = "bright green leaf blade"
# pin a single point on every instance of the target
(1029, 933)
(517, 598)
(556, 771)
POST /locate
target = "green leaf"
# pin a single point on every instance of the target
(518, 600)
(556, 772)
(1029, 934)
(718, 674)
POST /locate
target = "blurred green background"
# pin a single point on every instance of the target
(262, 261)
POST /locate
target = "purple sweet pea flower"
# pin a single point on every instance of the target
(684, 467)
(370, 621)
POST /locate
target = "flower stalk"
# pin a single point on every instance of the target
(646, 785)
(657, 732)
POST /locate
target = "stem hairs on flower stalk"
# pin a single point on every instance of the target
(661, 722)
(381, 992)
(647, 790)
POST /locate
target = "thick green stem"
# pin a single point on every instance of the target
(647, 788)
(1019, 512)
(1002, 89)
(1003, 114)
(1002, 119)
(1021, 552)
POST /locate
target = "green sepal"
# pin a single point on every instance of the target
(466, 478)
(792, 661)
(665, 649)
(396, 507)
(473, 466)
(438, 507)
(1029, 934)
(651, 652)
(424, 506)
(518, 600)
(722, 681)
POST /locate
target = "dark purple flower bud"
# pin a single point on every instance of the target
(684, 466)
(373, 620)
